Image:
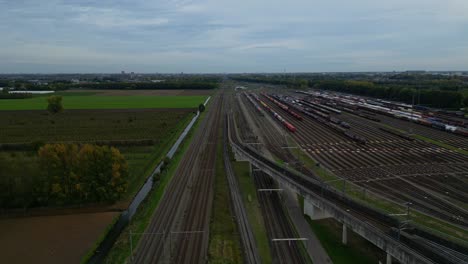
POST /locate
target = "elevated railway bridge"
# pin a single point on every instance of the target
(322, 201)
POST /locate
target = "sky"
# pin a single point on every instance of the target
(215, 36)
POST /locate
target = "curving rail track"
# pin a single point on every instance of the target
(274, 214)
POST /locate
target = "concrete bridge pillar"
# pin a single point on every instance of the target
(314, 212)
(389, 258)
(344, 238)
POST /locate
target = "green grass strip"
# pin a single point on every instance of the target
(447, 230)
(120, 252)
(429, 140)
(141, 169)
(224, 246)
(252, 205)
(96, 244)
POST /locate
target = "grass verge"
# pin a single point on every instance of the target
(143, 159)
(101, 238)
(439, 227)
(429, 140)
(249, 196)
(121, 249)
(357, 250)
(224, 246)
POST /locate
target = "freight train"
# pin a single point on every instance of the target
(284, 107)
(283, 121)
(256, 106)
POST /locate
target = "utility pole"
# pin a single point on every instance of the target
(131, 245)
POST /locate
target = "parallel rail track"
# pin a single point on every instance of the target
(178, 231)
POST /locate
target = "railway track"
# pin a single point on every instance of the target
(384, 222)
(370, 216)
(251, 254)
(178, 231)
(344, 157)
(277, 222)
(275, 217)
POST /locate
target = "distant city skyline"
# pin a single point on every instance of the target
(207, 36)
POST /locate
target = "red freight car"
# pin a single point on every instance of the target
(289, 126)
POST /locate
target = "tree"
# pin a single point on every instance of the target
(201, 108)
(78, 174)
(54, 104)
(465, 101)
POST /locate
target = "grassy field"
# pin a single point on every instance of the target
(143, 159)
(90, 125)
(224, 245)
(358, 250)
(249, 196)
(80, 101)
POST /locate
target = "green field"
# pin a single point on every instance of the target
(358, 250)
(91, 125)
(105, 102)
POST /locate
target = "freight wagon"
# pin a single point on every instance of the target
(285, 123)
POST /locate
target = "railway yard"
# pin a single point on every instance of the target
(300, 134)
(373, 153)
(432, 178)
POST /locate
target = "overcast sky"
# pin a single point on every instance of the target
(232, 36)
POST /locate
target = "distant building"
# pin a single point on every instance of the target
(123, 72)
(416, 71)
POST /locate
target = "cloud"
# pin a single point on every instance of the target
(113, 18)
(209, 35)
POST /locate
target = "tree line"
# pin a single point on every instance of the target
(428, 97)
(171, 84)
(165, 85)
(62, 174)
(440, 93)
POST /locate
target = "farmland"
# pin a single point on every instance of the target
(90, 125)
(51, 239)
(92, 101)
(108, 92)
(143, 127)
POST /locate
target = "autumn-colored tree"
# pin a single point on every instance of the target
(58, 163)
(87, 173)
(62, 174)
(104, 171)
